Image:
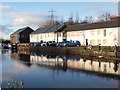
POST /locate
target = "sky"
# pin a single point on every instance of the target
(15, 15)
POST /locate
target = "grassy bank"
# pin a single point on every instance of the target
(105, 51)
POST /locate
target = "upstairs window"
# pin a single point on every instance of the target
(59, 34)
(104, 32)
(72, 33)
(98, 32)
(92, 32)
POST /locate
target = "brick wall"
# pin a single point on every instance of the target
(14, 38)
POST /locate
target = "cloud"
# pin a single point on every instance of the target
(5, 7)
(25, 19)
(5, 30)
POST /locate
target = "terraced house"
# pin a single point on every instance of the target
(51, 33)
(105, 33)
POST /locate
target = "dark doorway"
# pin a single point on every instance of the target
(86, 42)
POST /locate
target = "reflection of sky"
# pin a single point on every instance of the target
(42, 76)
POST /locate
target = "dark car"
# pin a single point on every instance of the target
(37, 44)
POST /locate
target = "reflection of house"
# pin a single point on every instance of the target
(24, 57)
(52, 33)
(14, 56)
(87, 65)
(106, 33)
(21, 35)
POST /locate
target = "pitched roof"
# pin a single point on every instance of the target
(53, 28)
(19, 30)
(98, 25)
(40, 30)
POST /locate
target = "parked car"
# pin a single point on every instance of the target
(59, 44)
(21, 44)
(30, 44)
(69, 43)
(44, 44)
(52, 43)
(37, 44)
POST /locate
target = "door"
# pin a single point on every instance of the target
(86, 42)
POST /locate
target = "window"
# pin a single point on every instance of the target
(45, 35)
(55, 35)
(59, 34)
(77, 33)
(98, 32)
(48, 34)
(104, 32)
(92, 41)
(72, 33)
(99, 41)
(92, 32)
(68, 34)
(52, 34)
(105, 41)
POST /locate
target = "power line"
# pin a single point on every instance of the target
(52, 15)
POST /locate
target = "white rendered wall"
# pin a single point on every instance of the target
(119, 36)
(112, 36)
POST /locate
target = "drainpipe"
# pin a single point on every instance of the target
(57, 33)
(57, 37)
(84, 37)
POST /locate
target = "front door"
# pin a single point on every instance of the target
(86, 42)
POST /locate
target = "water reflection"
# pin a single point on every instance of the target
(68, 63)
(53, 71)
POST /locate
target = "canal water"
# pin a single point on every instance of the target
(45, 71)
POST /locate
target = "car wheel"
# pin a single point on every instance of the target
(66, 45)
(78, 45)
(58, 45)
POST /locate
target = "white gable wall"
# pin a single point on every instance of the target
(98, 37)
(119, 36)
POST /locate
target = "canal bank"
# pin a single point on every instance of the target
(70, 51)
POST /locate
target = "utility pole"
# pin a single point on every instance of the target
(62, 20)
(52, 15)
(71, 17)
(77, 17)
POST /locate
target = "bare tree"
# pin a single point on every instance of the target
(105, 16)
(87, 19)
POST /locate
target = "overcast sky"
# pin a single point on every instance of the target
(15, 15)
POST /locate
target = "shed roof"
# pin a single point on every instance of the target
(20, 30)
(98, 25)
